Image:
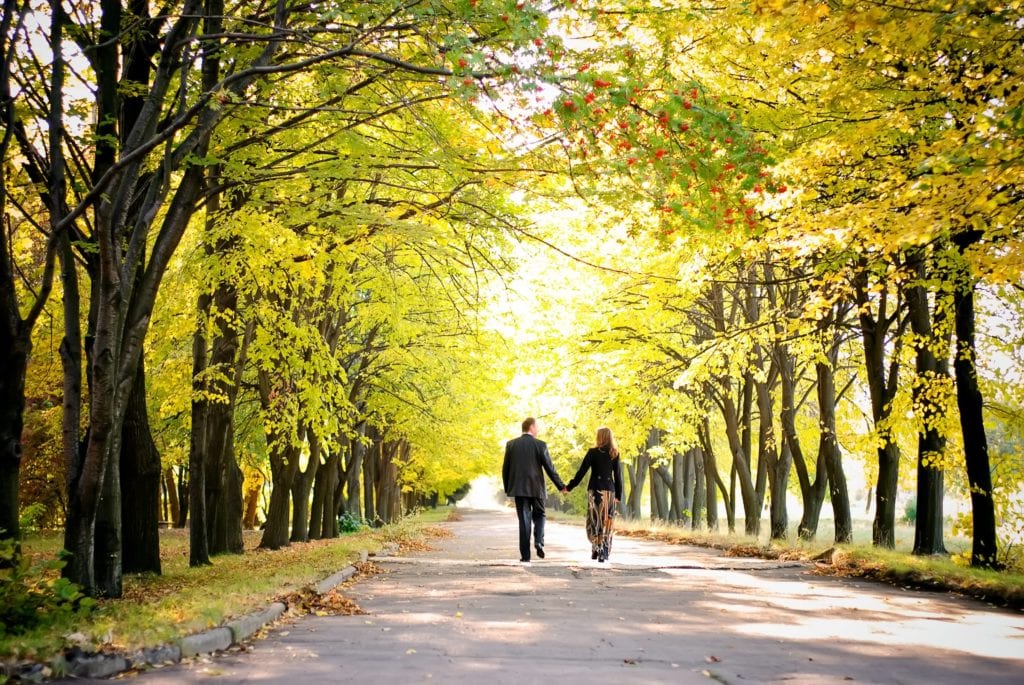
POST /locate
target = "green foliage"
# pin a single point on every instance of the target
(910, 510)
(349, 522)
(32, 593)
(30, 517)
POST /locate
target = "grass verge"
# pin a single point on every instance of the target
(158, 609)
(1000, 588)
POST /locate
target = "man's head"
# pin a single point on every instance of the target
(530, 425)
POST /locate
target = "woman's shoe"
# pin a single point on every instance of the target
(593, 555)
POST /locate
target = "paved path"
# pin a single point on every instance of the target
(469, 612)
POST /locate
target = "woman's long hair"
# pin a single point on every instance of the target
(605, 439)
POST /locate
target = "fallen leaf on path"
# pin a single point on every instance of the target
(713, 659)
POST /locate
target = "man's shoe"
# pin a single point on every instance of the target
(593, 555)
(540, 552)
(525, 560)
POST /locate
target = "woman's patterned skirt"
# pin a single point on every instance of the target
(600, 511)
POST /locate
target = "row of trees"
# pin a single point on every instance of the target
(852, 278)
(301, 203)
(277, 232)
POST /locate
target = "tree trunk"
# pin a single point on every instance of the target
(681, 510)
(140, 471)
(637, 473)
(778, 480)
(828, 448)
(370, 460)
(714, 479)
(171, 489)
(71, 355)
(301, 487)
(387, 487)
(199, 548)
(874, 330)
(751, 510)
(768, 463)
(224, 479)
(251, 502)
(284, 462)
(323, 518)
(928, 524)
(812, 493)
(183, 497)
(700, 499)
(660, 483)
(353, 472)
(969, 401)
(15, 348)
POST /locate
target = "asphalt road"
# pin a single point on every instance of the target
(469, 612)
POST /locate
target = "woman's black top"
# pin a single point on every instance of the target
(605, 472)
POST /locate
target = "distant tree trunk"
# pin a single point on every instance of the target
(173, 506)
(637, 476)
(681, 509)
(252, 502)
(700, 499)
(660, 483)
(140, 470)
(183, 497)
(713, 479)
(353, 472)
(969, 401)
(371, 459)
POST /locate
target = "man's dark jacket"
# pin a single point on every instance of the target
(526, 459)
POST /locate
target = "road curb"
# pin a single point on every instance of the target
(206, 642)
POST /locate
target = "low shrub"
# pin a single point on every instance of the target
(32, 592)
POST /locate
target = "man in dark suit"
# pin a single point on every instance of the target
(526, 460)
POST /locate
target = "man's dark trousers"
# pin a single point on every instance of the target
(530, 511)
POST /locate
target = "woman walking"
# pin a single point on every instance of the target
(603, 491)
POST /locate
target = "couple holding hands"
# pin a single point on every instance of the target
(526, 461)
